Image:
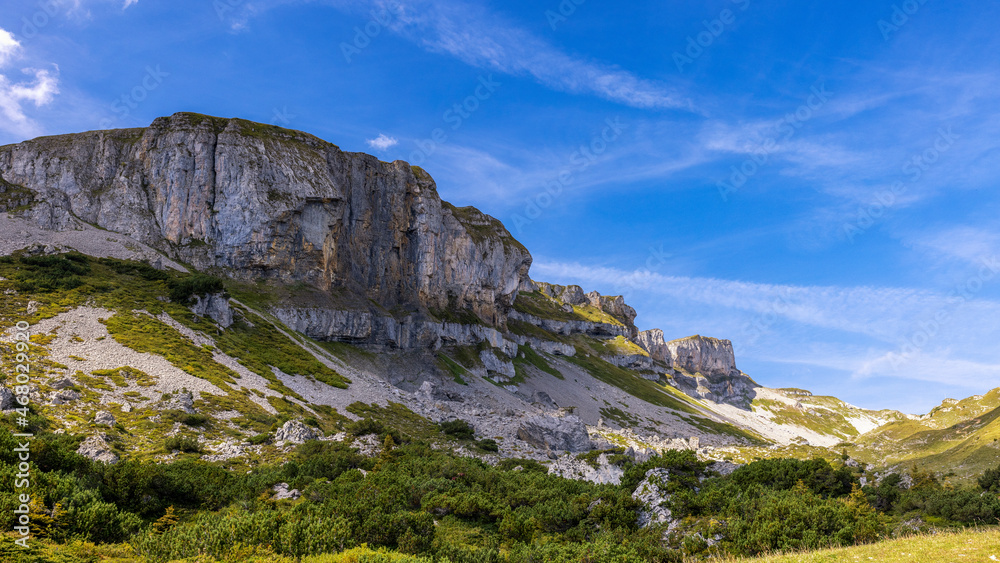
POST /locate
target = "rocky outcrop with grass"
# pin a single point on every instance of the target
(259, 201)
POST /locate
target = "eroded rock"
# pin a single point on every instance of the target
(96, 447)
(567, 433)
(295, 432)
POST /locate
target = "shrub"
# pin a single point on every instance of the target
(196, 284)
(459, 429)
(183, 443)
(990, 480)
(364, 427)
(488, 445)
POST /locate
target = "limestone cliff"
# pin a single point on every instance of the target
(701, 366)
(260, 201)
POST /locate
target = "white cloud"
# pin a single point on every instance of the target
(14, 95)
(129, 3)
(8, 47)
(382, 142)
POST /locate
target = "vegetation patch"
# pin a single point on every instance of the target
(454, 368)
(143, 333)
(123, 376)
(527, 356)
(629, 382)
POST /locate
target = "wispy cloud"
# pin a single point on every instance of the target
(862, 332)
(488, 40)
(39, 90)
(382, 142)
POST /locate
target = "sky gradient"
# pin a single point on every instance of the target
(815, 181)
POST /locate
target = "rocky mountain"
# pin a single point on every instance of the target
(243, 286)
(258, 201)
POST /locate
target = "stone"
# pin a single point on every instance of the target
(181, 400)
(281, 492)
(214, 306)
(295, 432)
(63, 383)
(567, 433)
(570, 467)
(543, 398)
(226, 450)
(104, 418)
(652, 495)
(7, 399)
(495, 367)
(702, 367)
(65, 396)
(96, 448)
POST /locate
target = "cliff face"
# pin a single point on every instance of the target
(260, 201)
(702, 367)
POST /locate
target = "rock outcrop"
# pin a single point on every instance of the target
(7, 400)
(295, 432)
(96, 447)
(260, 201)
(652, 495)
(104, 418)
(214, 306)
(553, 433)
(702, 367)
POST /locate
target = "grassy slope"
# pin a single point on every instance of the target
(124, 287)
(970, 545)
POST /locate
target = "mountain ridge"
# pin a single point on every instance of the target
(339, 250)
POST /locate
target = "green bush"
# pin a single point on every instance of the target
(181, 291)
(459, 429)
(488, 445)
(990, 480)
(183, 443)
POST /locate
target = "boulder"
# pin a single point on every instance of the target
(652, 494)
(96, 448)
(282, 492)
(567, 433)
(214, 306)
(543, 398)
(7, 399)
(65, 396)
(104, 418)
(295, 432)
(63, 383)
(181, 401)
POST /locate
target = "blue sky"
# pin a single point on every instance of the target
(815, 181)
